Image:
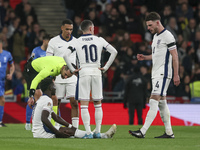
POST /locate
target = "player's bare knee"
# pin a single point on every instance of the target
(74, 103)
(2, 100)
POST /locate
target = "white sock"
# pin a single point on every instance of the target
(150, 115)
(165, 115)
(86, 118)
(75, 122)
(79, 133)
(98, 117)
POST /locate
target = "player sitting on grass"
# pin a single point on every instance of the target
(42, 113)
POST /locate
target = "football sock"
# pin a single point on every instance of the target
(75, 122)
(55, 109)
(86, 118)
(79, 133)
(98, 117)
(1, 113)
(28, 114)
(165, 115)
(150, 115)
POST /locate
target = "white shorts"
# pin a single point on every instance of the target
(65, 89)
(89, 83)
(160, 86)
(45, 135)
(44, 132)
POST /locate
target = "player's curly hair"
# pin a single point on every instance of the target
(44, 84)
(152, 16)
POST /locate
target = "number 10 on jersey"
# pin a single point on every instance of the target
(90, 52)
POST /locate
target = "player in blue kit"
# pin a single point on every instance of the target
(37, 52)
(40, 51)
(5, 58)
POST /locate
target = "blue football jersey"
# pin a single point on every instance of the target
(5, 58)
(38, 52)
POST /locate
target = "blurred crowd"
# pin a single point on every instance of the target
(121, 23)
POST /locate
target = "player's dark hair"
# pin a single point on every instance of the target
(47, 37)
(66, 21)
(152, 16)
(85, 25)
(44, 84)
(66, 67)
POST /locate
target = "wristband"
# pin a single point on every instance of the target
(69, 126)
(31, 92)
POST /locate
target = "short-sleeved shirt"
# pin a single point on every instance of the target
(57, 46)
(43, 103)
(38, 52)
(161, 57)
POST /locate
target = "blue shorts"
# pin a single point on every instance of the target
(2, 88)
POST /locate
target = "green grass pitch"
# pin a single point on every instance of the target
(15, 137)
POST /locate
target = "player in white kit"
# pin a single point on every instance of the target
(164, 56)
(89, 48)
(57, 46)
(42, 114)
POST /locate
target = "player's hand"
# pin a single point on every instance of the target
(9, 76)
(30, 102)
(102, 69)
(176, 80)
(140, 56)
(75, 72)
(62, 134)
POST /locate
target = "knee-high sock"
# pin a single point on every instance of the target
(28, 114)
(165, 115)
(150, 115)
(75, 122)
(86, 118)
(98, 117)
(55, 109)
(1, 113)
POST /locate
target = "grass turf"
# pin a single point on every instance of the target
(15, 137)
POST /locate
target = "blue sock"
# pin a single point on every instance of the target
(1, 113)
(28, 114)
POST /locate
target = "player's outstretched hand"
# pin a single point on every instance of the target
(30, 102)
(140, 56)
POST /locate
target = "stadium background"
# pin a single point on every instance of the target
(182, 114)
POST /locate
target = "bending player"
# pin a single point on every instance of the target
(42, 113)
(39, 51)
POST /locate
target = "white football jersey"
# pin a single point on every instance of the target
(89, 48)
(161, 57)
(57, 46)
(43, 103)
